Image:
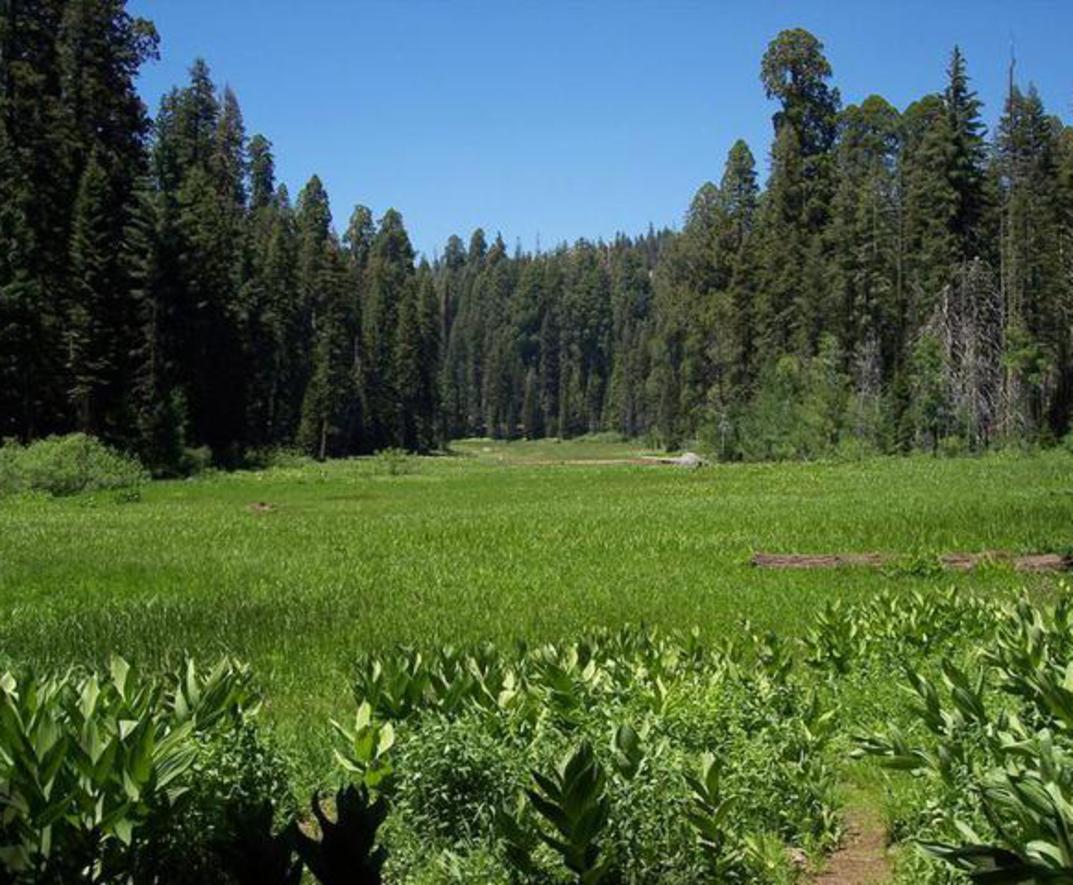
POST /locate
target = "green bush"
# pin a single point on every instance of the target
(240, 791)
(69, 465)
(195, 461)
(951, 446)
(991, 746)
(393, 462)
(268, 458)
(494, 747)
(461, 774)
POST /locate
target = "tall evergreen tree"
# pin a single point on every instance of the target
(389, 278)
(965, 163)
(795, 71)
(93, 348)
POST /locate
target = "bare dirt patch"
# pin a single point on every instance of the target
(690, 462)
(1035, 562)
(579, 462)
(260, 507)
(862, 857)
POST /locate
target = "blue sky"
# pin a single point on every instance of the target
(562, 119)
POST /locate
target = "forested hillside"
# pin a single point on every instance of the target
(902, 279)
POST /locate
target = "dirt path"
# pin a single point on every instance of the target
(862, 858)
(574, 462)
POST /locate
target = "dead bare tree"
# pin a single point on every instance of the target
(968, 323)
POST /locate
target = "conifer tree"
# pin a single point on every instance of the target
(388, 279)
(1030, 255)
(92, 357)
(795, 71)
(965, 164)
(863, 235)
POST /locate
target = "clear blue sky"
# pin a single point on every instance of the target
(562, 119)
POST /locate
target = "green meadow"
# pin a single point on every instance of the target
(299, 570)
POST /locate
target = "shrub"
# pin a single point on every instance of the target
(264, 459)
(195, 460)
(239, 794)
(992, 746)
(393, 462)
(69, 465)
(460, 775)
(952, 446)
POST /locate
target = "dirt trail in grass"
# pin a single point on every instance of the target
(574, 462)
(862, 858)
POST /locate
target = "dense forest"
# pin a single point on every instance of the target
(903, 279)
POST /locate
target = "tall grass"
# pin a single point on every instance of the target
(345, 558)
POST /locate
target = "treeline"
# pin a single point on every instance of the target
(902, 280)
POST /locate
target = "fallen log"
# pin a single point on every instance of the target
(1034, 562)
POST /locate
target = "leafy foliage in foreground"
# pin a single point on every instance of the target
(579, 758)
(628, 755)
(993, 746)
(116, 778)
(87, 761)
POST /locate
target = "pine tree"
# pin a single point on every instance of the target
(863, 237)
(319, 320)
(91, 357)
(965, 164)
(287, 322)
(228, 162)
(795, 71)
(24, 358)
(929, 209)
(1032, 285)
(262, 172)
(430, 425)
(329, 396)
(406, 372)
(388, 279)
(158, 401)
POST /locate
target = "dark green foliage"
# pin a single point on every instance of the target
(232, 825)
(158, 290)
(573, 803)
(89, 764)
(256, 854)
(993, 751)
(347, 852)
(708, 815)
(508, 750)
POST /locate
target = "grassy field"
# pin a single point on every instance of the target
(298, 570)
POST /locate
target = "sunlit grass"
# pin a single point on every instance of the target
(495, 542)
